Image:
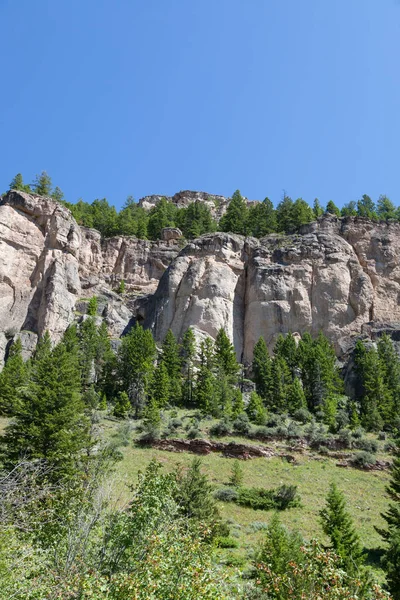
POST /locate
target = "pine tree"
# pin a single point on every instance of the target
(317, 209)
(18, 184)
(160, 386)
(262, 368)
(286, 348)
(195, 495)
(196, 220)
(281, 380)
(237, 403)
(332, 209)
(390, 362)
(50, 423)
(262, 219)
(386, 209)
(162, 215)
(122, 406)
(136, 358)
(225, 355)
(255, 409)
(205, 389)
(376, 401)
(12, 380)
(366, 208)
(57, 194)
(349, 209)
(188, 356)
(171, 358)
(152, 416)
(284, 215)
(236, 477)
(92, 306)
(301, 213)
(235, 218)
(337, 524)
(296, 398)
(391, 535)
(42, 184)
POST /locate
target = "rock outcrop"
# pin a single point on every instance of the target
(336, 275)
(341, 276)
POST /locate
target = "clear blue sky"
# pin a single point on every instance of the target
(119, 97)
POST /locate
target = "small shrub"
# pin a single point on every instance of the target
(363, 460)
(282, 431)
(275, 420)
(258, 526)
(236, 477)
(151, 435)
(242, 425)
(286, 496)
(358, 432)
(344, 438)
(324, 450)
(193, 433)
(342, 419)
(175, 423)
(225, 542)
(293, 430)
(263, 432)
(166, 433)
(366, 445)
(226, 495)
(390, 446)
(302, 415)
(92, 306)
(221, 428)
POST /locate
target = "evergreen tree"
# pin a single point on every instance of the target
(152, 416)
(391, 534)
(225, 355)
(390, 363)
(236, 477)
(286, 348)
(172, 360)
(281, 381)
(284, 215)
(255, 410)
(50, 423)
(122, 405)
(205, 389)
(235, 218)
(366, 208)
(12, 380)
(385, 209)
(349, 209)
(337, 524)
(317, 209)
(42, 184)
(88, 341)
(136, 358)
(92, 306)
(194, 495)
(160, 386)
(332, 209)
(196, 220)
(104, 217)
(18, 184)
(237, 403)
(262, 368)
(162, 215)
(262, 219)
(188, 357)
(301, 213)
(57, 194)
(296, 398)
(376, 402)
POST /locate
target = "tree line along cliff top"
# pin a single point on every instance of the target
(197, 213)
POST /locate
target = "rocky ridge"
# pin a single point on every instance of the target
(338, 275)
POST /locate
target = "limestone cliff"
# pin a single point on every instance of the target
(338, 275)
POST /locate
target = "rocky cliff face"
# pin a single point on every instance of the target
(48, 262)
(338, 275)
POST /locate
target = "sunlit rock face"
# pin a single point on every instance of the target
(335, 275)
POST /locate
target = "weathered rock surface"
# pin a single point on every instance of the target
(204, 447)
(336, 275)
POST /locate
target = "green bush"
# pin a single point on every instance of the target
(363, 460)
(261, 499)
(221, 428)
(242, 425)
(226, 494)
(225, 542)
(366, 445)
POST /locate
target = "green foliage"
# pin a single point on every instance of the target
(225, 355)
(194, 495)
(164, 214)
(160, 386)
(49, 422)
(349, 210)
(317, 209)
(18, 184)
(121, 287)
(261, 219)
(256, 410)
(332, 209)
(195, 220)
(188, 353)
(12, 380)
(236, 476)
(92, 306)
(281, 498)
(262, 368)
(366, 208)
(171, 358)
(122, 406)
(338, 526)
(42, 184)
(136, 357)
(235, 218)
